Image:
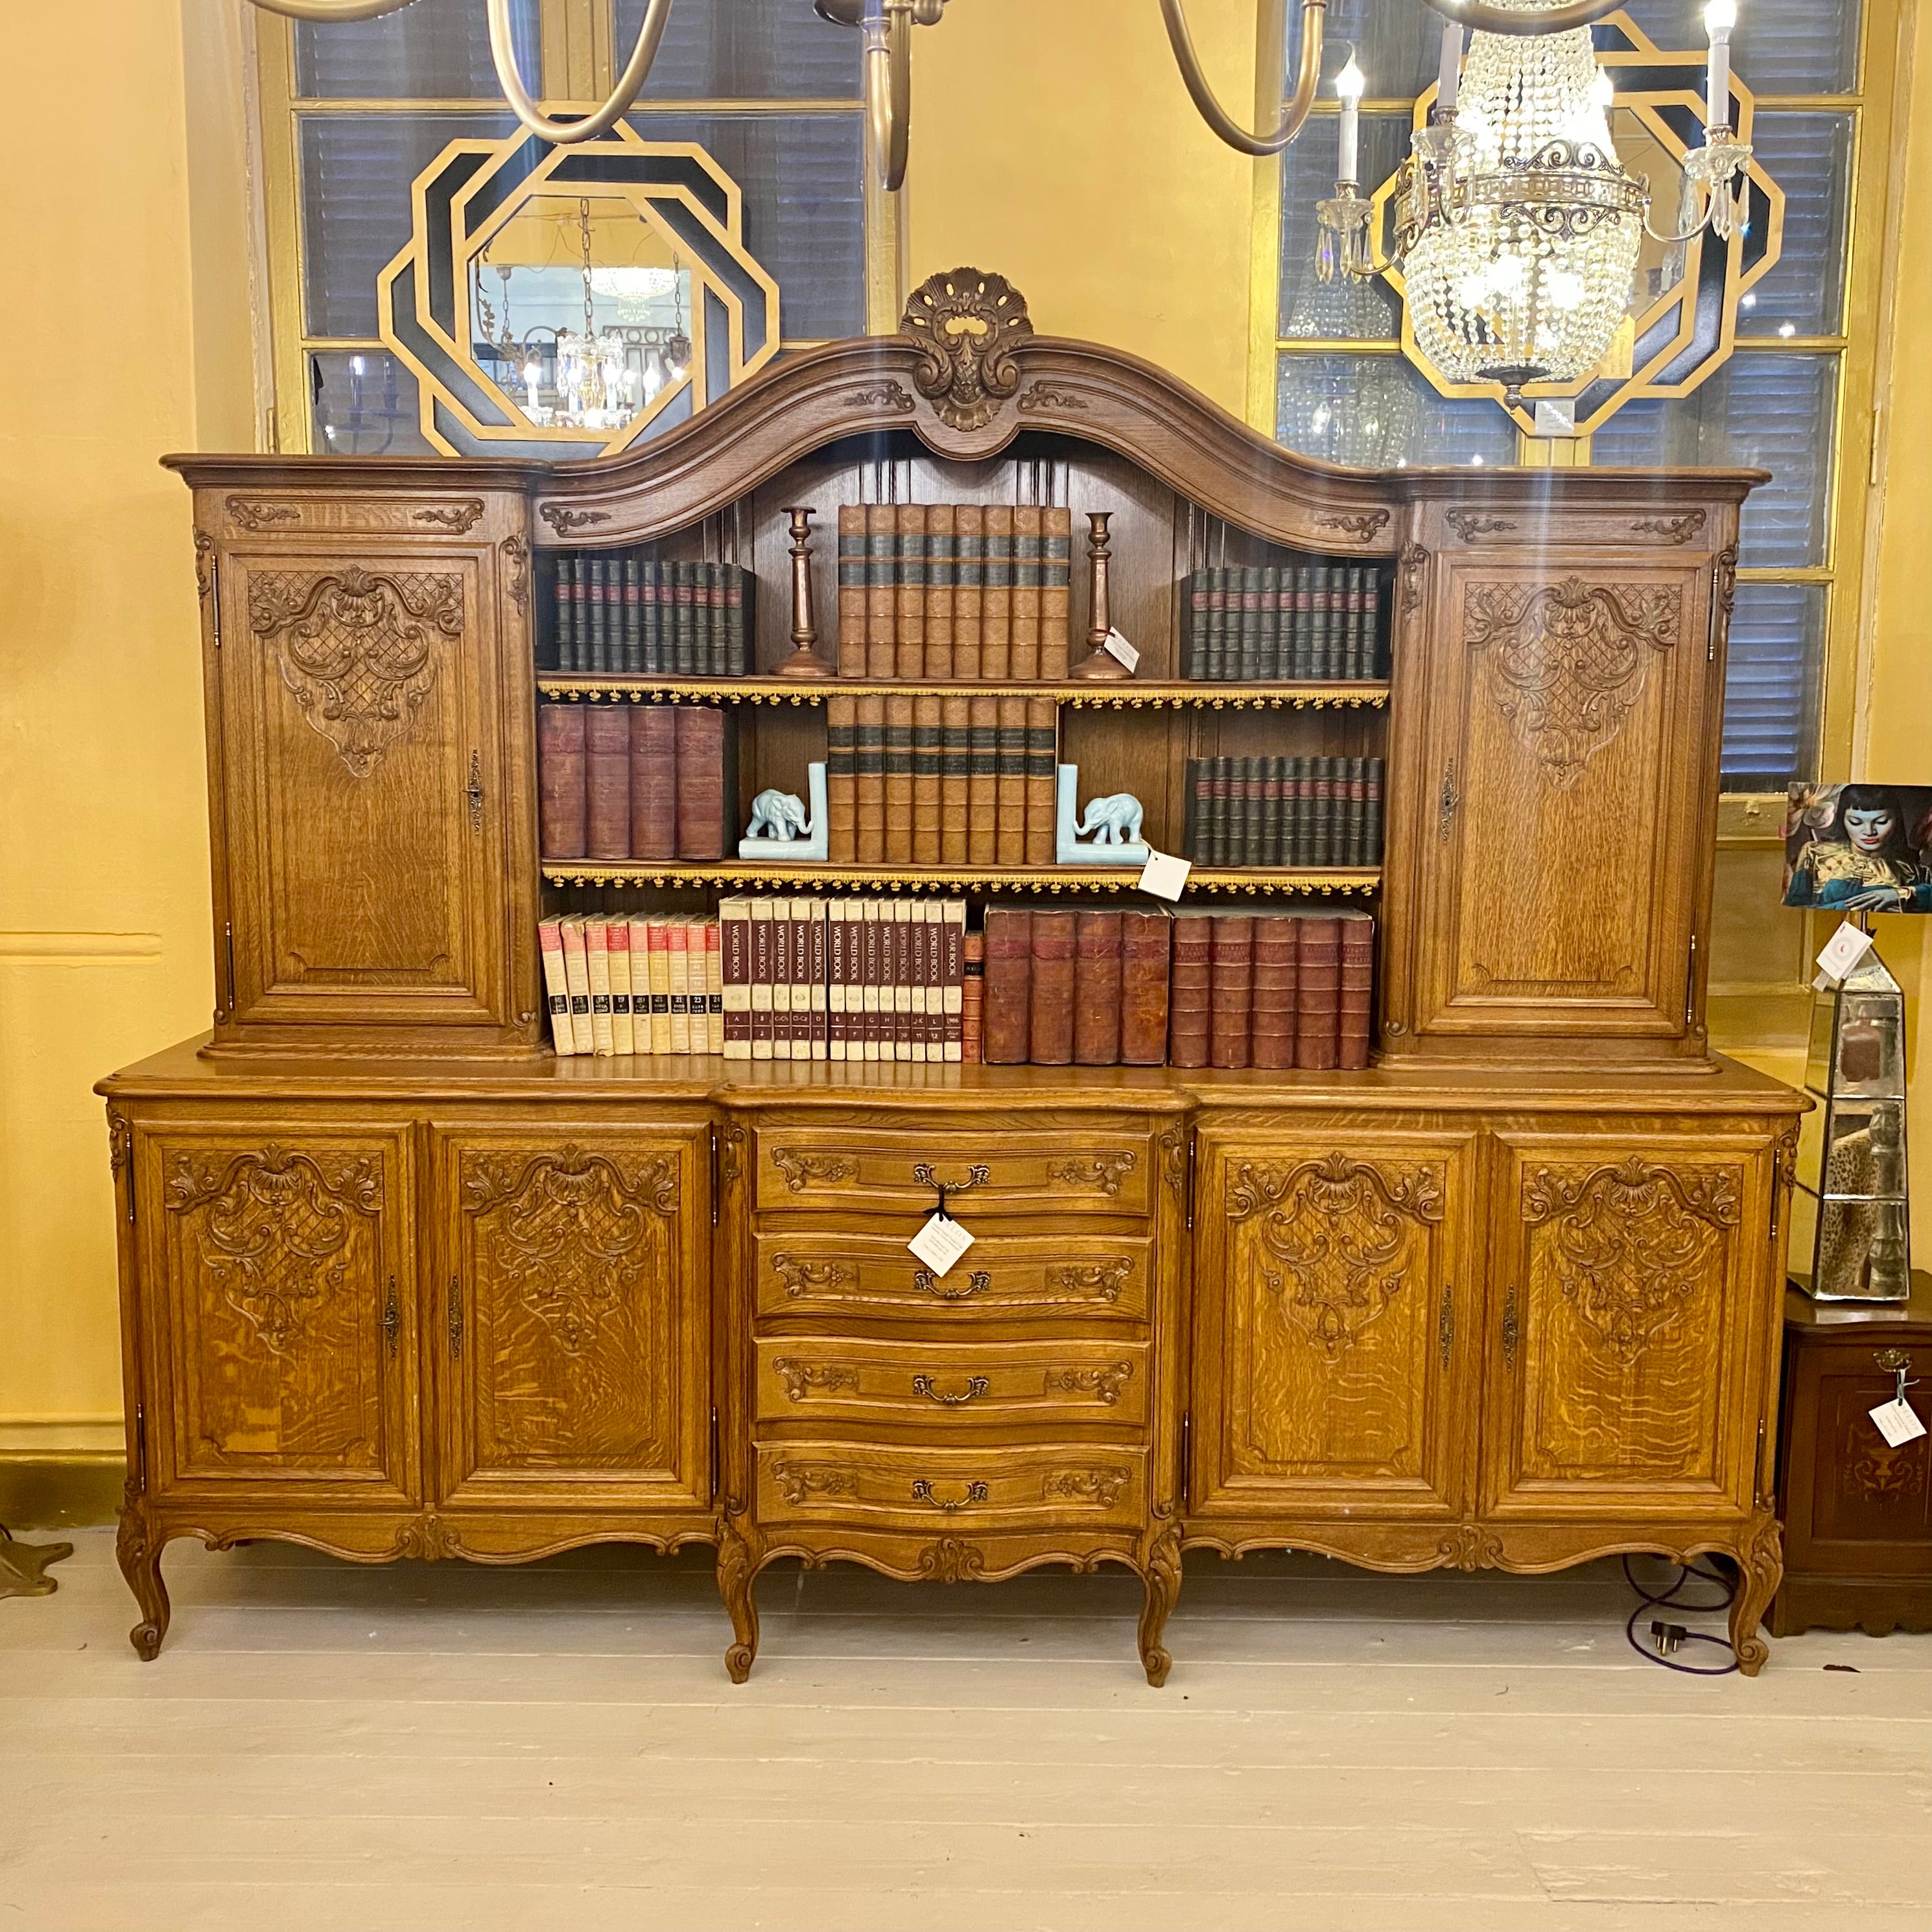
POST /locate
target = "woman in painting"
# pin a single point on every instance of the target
(1861, 861)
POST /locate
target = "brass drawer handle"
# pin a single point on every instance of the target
(922, 1493)
(976, 1176)
(976, 1385)
(1892, 1360)
(927, 1282)
(1510, 1331)
(392, 1320)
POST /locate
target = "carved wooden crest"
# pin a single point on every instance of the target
(276, 1229)
(966, 322)
(1340, 1229)
(1634, 1243)
(1567, 661)
(357, 648)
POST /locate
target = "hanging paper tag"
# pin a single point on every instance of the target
(1897, 1422)
(940, 1243)
(1842, 952)
(1116, 646)
(1164, 875)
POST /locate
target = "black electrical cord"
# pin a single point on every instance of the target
(1669, 1598)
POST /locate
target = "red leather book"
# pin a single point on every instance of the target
(1190, 991)
(1006, 1021)
(1232, 960)
(653, 780)
(1051, 1020)
(563, 826)
(1042, 735)
(607, 781)
(1356, 1009)
(1318, 995)
(972, 996)
(1097, 988)
(1145, 949)
(1011, 849)
(1277, 953)
(701, 790)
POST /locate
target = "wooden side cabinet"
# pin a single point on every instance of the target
(1857, 1513)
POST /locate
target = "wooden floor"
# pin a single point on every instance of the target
(429, 1746)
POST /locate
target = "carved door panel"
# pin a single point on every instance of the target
(571, 1316)
(1631, 1280)
(278, 1284)
(1334, 1292)
(1559, 870)
(361, 765)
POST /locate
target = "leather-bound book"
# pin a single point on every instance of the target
(1232, 957)
(576, 982)
(983, 781)
(881, 603)
(1356, 1006)
(996, 608)
(1197, 782)
(597, 963)
(1221, 814)
(952, 980)
(1272, 1028)
(607, 781)
(1011, 847)
(657, 658)
(562, 822)
(1056, 590)
(838, 930)
(1318, 998)
(617, 958)
(1372, 812)
(899, 781)
(557, 989)
(972, 996)
(596, 631)
(941, 559)
(955, 780)
(1007, 1022)
(926, 807)
(1050, 1030)
(1251, 778)
(869, 786)
(1190, 990)
(1248, 661)
(563, 620)
(1042, 733)
(653, 780)
(1023, 652)
(841, 780)
(1144, 962)
(631, 629)
(969, 588)
(875, 990)
(1193, 593)
(704, 790)
(684, 619)
(909, 592)
(1096, 987)
(851, 591)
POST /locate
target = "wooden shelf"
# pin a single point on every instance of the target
(1128, 694)
(1248, 881)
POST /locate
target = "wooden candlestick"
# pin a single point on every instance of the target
(805, 660)
(1099, 661)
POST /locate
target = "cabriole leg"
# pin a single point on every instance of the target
(736, 1573)
(140, 1553)
(1161, 1574)
(1761, 1560)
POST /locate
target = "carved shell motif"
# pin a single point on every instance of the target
(966, 322)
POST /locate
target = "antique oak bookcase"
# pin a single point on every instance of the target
(398, 1281)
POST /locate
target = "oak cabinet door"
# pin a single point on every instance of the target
(1564, 778)
(1631, 1282)
(361, 766)
(573, 1334)
(277, 1283)
(1333, 1288)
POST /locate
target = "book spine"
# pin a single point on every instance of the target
(577, 983)
(951, 978)
(927, 809)
(873, 989)
(1220, 620)
(1248, 667)
(851, 590)
(1355, 1004)
(941, 557)
(683, 619)
(607, 779)
(1145, 963)
(841, 780)
(1301, 664)
(899, 781)
(1355, 846)
(1271, 622)
(1274, 785)
(1377, 658)
(838, 928)
(701, 791)
(656, 659)
(1272, 1028)
(564, 612)
(1193, 598)
(982, 780)
(1006, 1021)
(1317, 993)
(817, 966)
(1043, 732)
(1011, 841)
(688, 1031)
(1024, 651)
(909, 592)
(595, 573)
(1372, 814)
(1190, 992)
(870, 760)
(563, 802)
(1254, 807)
(762, 987)
(1056, 591)
(881, 609)
(741, 613)
(969, 590)
(630, 628)
(1231, 958)
(597, 964)
(1220, 816)
(782, 978)
(734, 944)
(909, 986)
(972, 996)
(556, 988)
(1050, 1032)
(955, 779)
(996, 609)
(1097, 981)
(800, 1007)
(617, 953)
(1194, 821)
(653, 780)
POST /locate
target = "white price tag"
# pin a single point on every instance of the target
(1897, 1422)
(1842, 951)
(1164, 875)
(1116, 646)
(940, 1243)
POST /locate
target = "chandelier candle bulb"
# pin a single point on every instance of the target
(1350, 84)
(1719, 17)
(1449, 72)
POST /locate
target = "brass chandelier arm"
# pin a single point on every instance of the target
(1483, 17)
(565, 134)
(1307, 77)
(888, 57)
(333, 10)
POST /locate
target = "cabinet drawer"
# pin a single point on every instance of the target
(984, 1174)
(1069, 1486)
(1002, 1277)
(951, 1384)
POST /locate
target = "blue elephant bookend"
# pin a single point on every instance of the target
(1115, 822)
(779, 830)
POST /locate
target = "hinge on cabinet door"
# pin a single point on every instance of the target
(455, 1321)
(714, 1177)
(1758, 1482)
(140, 1450)
(1192, 1143)
(1445, 1322)
(1691, 985)
(1187, 1460)
(473, 791)
(1509, 1331)
(1446, 802)
(391, 1320)
(714, 1454)
(214, 603)
(228, 950)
